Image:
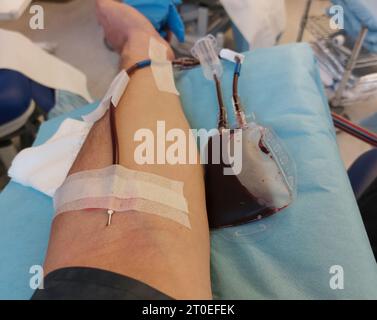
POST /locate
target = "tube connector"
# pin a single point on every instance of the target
(206, 51)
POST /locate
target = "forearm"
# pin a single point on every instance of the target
(160, 252)
(141, 106)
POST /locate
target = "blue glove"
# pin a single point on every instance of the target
(162, 14)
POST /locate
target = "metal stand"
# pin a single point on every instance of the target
(350, 66)
(304, 20)
(353, 59)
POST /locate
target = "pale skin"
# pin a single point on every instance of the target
(154, 250)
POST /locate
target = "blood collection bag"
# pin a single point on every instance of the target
(254, 178)
(249, 174)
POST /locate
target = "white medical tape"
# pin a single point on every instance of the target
(121, 189)
(126, 173)
(114, 186)
(113, 94)
(126, 205)
(162, 68)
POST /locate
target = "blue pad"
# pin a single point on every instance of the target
(288, 255)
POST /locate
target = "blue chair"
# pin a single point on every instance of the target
(22, 104)
(363, 177)
(363, 172)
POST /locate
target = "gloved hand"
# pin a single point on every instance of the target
(162, 14)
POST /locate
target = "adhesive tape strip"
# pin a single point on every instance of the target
(114, 186)
(121, 189)
(114, 93)
(120, 182)
(162, 68)
(126, 173)
(126, 205)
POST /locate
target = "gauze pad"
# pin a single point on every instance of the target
(45, 167)
(162, 68)
(120, 189)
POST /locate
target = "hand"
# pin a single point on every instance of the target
(162, 14)
(127, 31)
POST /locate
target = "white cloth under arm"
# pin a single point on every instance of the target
(46, 166)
